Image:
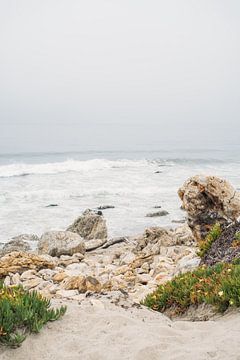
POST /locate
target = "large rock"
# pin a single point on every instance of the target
(57, 243)
(15, 245)
(90, 225)
(207, 200)
(20, 261)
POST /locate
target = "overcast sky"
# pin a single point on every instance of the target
(108, 74)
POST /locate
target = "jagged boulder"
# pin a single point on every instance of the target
(90, 225)
(207, 200)
(57, 243)
(18, 262)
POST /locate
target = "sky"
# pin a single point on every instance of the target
(112, 75)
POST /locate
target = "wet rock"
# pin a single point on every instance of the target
(51, 205)
(207, 200)
(180, 221)
(158, 213)
(105, 207)
(57, 243)
(90, 225)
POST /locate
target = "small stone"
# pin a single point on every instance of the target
(93, 284)
(158, 213)
(28, 275)
(143, 278)
(59, 277)
(29, 284)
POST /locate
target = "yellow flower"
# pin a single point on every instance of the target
(220, 293)
(231, 302)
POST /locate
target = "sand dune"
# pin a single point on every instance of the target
(102, 331)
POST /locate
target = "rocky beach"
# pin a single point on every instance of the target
(103, 281)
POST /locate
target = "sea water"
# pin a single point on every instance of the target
(135, 183)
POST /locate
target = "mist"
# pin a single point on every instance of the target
(110, 75)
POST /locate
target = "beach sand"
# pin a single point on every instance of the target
(102, 331)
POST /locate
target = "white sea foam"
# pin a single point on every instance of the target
(22, 169)
(134, 187)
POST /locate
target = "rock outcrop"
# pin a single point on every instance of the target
(56, 243)
(207, 200)
(90, 225)
(18, 262)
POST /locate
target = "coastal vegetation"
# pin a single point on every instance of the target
(218, 285)
(206, 244)
(23, 312)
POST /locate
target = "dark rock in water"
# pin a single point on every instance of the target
(105, 207)
(158, 172)
(226, 248)
(51, 205)
(157, 207)
(158, 213)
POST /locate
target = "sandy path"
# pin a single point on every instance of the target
(106, 332)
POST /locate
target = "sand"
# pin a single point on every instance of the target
(102, 331)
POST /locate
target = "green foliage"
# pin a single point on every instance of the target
(237, 236)
(218, 286)
(206, 244)
(22, 312)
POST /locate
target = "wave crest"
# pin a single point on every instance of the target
(22, 169)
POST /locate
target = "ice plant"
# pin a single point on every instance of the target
(218, 286)
(23, 312)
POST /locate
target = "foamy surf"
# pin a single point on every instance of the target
(22, 169)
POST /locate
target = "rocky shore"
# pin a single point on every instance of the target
(83, 265)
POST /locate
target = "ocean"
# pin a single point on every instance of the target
(135, 183)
